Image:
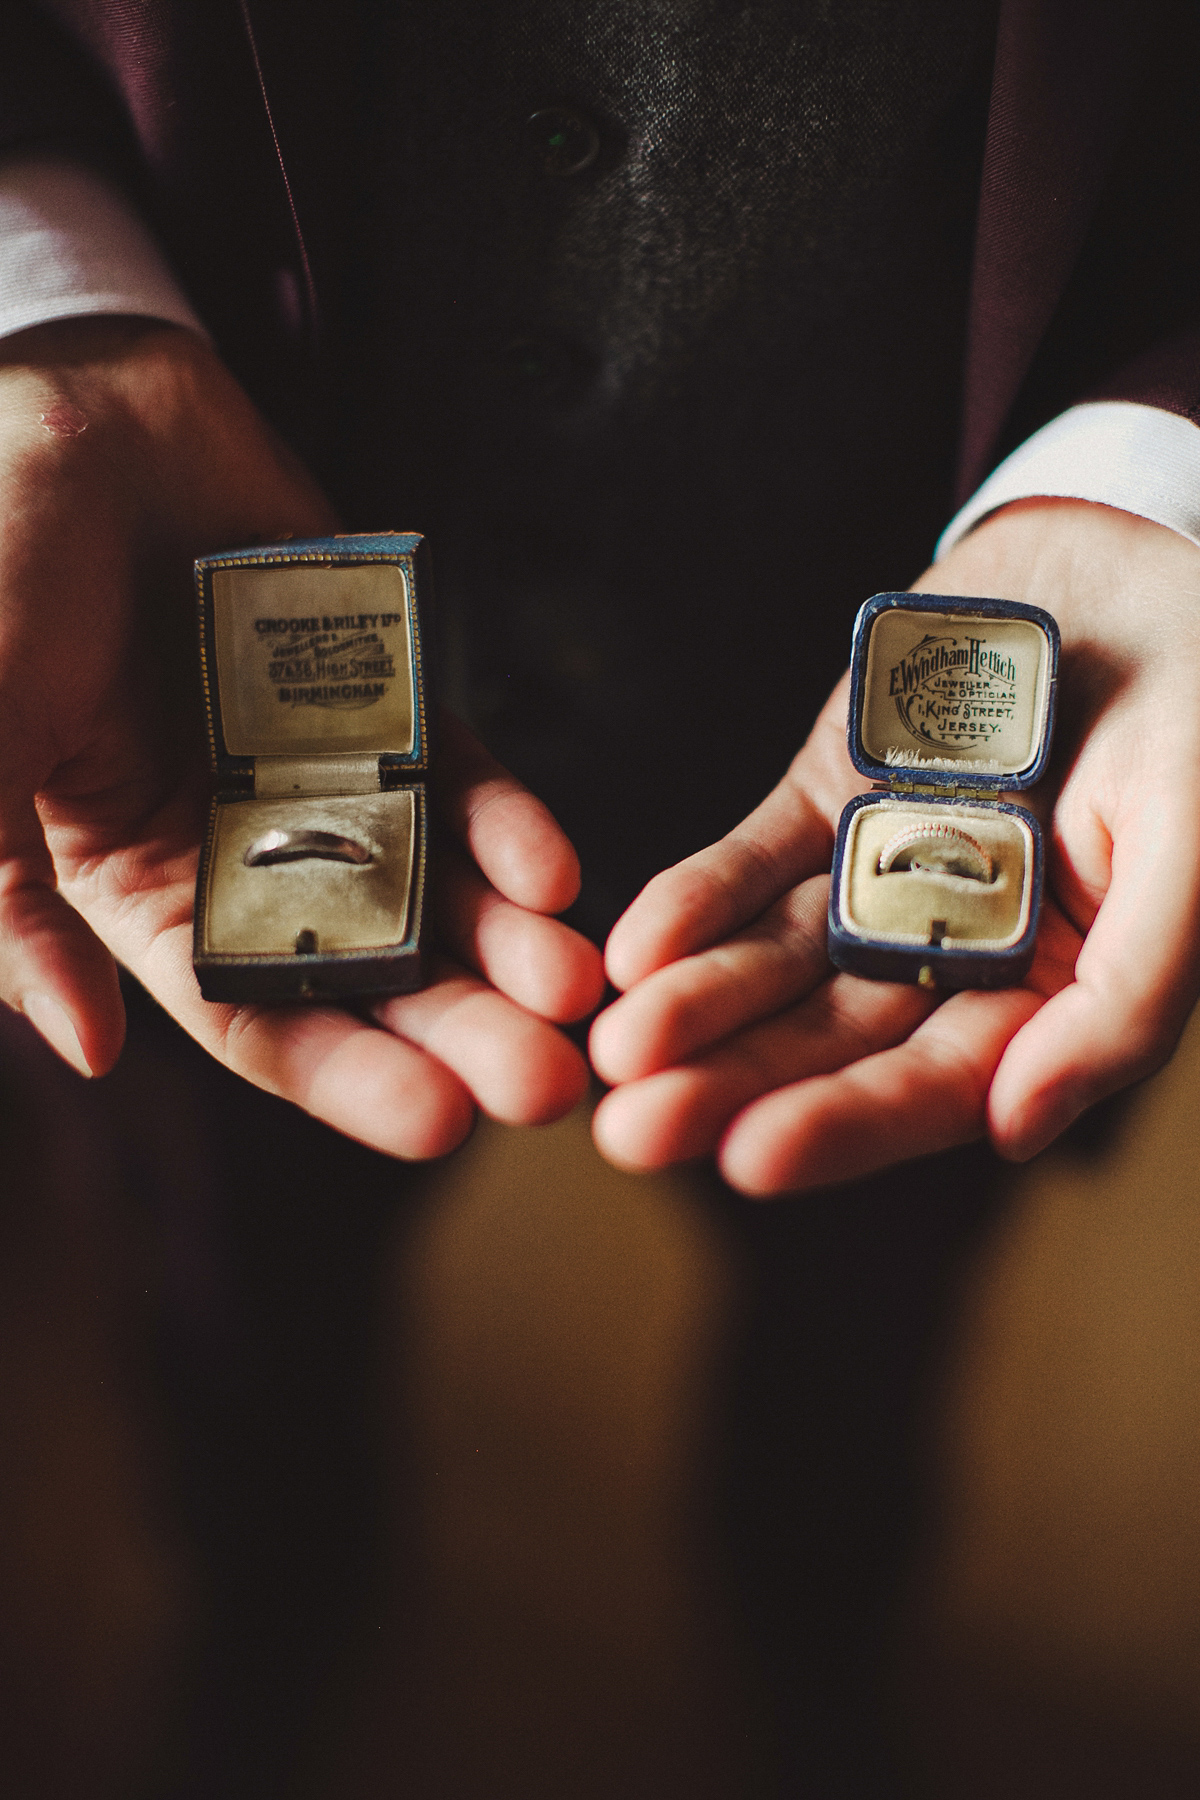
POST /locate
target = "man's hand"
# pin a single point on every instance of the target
(735, 1036)
(126, 449)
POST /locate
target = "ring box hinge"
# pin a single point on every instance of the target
(961, 791)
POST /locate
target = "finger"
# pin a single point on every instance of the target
(513, 837)
(367, 1083)
(361, 1080)
(924, 1095)
(700, 999)
(1135, 983)
(713, 893)
(517, 1067)
(53, 968)
(541, 964)
(682, 1112)
(407, 1088)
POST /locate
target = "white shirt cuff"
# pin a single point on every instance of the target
(71, 244)
(1117, 452)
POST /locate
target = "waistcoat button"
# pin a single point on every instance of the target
(547, 366)
(566, 140)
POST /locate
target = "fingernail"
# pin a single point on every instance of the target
(48, 1017)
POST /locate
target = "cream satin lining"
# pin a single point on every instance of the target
(314, 659)
(951, 692)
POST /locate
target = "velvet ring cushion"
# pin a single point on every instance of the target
(260, 908)
(312, 880)
(923, 903)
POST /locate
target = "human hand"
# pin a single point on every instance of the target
(126, 449)
(734, 1035)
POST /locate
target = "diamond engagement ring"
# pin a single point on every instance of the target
(940, 849)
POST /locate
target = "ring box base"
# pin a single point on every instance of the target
(248, 947)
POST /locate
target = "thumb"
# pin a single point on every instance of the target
(53, 968)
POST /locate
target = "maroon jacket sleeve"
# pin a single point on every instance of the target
(53, 96)
(1087, 263)
(1167, 375)
(166, 96)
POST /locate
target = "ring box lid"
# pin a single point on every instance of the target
(313, 664)
(952, 695)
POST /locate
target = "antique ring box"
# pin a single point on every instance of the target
(935, 878)
(312, 877)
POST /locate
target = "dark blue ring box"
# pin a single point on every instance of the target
(952, 703)
(314, 668)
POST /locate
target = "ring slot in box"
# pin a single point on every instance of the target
(312, 877)
(935, 878)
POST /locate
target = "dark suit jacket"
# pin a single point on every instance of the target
(168, 90)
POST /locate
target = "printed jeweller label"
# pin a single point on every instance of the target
(962, 693)
(314, 659)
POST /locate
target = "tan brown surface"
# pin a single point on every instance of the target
(97, 1586)
(555, 1331)
(565, 1323)
(1057, 1619)
(555, 1344)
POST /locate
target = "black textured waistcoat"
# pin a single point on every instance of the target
(653, 319)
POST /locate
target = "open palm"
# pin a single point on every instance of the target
(126, 450)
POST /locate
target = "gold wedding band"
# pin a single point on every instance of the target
(294, 846)
(940, 849)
